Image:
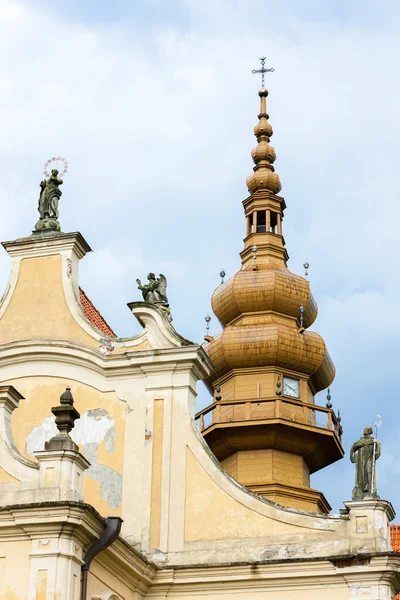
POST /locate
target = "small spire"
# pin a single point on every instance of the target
(218, 390)
(278, 391)
(254, 249)
(207, 319)
(264, 177)
(328, 398)
(301, 317)
(222, 275)
(306, 267)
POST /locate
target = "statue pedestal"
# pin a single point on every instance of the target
(369, 525)
(61, 475)
(48, 225)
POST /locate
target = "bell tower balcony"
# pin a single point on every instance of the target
(273, 445)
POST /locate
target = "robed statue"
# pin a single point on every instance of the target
(364, 453)
(50, 195)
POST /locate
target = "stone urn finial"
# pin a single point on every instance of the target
(66, 416)
(66, 397)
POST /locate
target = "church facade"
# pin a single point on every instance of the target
(112, 486)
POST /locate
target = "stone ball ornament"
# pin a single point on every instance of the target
(56, 160)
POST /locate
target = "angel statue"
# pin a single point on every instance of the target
(364, 453)
(155, 291)
(50, 195)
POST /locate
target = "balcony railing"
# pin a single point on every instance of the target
(285, 409)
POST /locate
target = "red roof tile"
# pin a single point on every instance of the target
(395, 541)
(395, 537)
(93, 315)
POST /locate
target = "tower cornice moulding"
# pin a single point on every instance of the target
(44, 245)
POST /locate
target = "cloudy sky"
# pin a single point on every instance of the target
(153, 103)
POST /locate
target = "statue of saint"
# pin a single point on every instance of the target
(155, 291)
(50, 195)
(364, 453)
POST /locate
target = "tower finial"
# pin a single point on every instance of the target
(264, 177)
(263, 70)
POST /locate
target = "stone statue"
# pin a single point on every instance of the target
(50, 195)
(155, 291)
(364, 453)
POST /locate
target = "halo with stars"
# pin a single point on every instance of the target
(56, 159)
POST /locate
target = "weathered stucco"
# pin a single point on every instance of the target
(99, 433)
(93, 428)
(38, 308)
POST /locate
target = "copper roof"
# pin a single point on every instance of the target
(93, 315)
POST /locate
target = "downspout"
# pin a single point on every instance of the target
(113, 528)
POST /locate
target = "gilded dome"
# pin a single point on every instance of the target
(268, 289)
(264, 180)
(272, 344)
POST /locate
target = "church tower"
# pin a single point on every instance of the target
(264, 426)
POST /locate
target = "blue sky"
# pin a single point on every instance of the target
(153, 103)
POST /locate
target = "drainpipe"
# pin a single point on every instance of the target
(113, 528)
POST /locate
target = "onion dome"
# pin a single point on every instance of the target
(272, 344)
(259, 307)
(268, 289)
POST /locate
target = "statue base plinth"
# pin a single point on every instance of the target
(47, 226)
(369, 525)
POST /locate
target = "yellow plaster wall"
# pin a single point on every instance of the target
(6, 478)
(102, 582)
(14, 569)
(211, 514)
(41, 393)
(38, 308)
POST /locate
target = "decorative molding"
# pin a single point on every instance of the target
(160, 332)
(47, 244)
(58, 358)
(11, 460)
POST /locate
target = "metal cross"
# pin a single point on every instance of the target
(263, 70)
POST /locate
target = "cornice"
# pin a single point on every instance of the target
(305, 573)
(122, 365)
(42, 245)
(264, 195)
(82, 522)
(372, 504)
